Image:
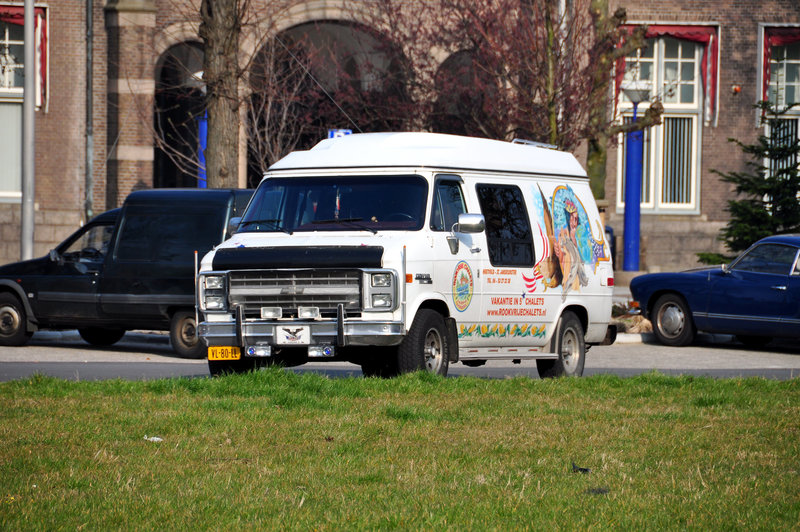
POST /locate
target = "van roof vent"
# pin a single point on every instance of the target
(535, 143)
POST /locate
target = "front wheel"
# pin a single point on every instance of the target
(426, 347)
(183, 335)
(100, 337)
(13, 326)
(571, 348)
(672, 321)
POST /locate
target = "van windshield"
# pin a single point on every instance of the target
(337, 203)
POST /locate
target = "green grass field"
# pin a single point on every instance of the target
(277, 450)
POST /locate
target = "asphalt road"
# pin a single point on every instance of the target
(149, 356)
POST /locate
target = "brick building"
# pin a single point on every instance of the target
(709, 62)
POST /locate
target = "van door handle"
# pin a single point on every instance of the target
(475, 249)
(778, 287)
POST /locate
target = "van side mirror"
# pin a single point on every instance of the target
(470, 223)
(233, 226)
(467, 223)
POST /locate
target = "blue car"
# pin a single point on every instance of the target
(756, 297)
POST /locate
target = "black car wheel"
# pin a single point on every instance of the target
(426, 346)
(13, 327)
(183, 335)
(571, 348)
(672, 321)
(101, 337)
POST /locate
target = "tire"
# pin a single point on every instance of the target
(217, 368)
(753, 342)
(183, 336)
(571, 348)
(101, 337)
(672, 321)
(13, 321)
(426, 347)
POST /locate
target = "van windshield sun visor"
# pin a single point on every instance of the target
(298, 257)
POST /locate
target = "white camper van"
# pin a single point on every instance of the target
(407, 251)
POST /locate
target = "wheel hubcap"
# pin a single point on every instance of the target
(433, 351)
(569, 350)
(671, 320)
(188, 332)
(9, 321)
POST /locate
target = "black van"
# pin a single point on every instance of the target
(128, 268)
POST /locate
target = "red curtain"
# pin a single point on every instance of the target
(16, 15)
(705, 35)
(775, 37)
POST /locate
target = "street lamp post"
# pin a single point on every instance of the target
(636, 92)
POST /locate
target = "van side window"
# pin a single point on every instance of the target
(508, 230)
(448, 203)
(153, 235)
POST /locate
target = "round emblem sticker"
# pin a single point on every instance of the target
(462, 286)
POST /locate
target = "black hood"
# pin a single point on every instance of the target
(298, 257)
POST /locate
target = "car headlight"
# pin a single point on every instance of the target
(215, 302)
(381, 300)
(381, 280)
(380, 290)
(214, 282)
(212, 292)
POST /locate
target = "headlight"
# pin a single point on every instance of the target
(214, 282)
(379, 290)
(212, 292)
(215, 303)
(381, 300)
(381, 280)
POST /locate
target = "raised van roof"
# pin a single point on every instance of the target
(431, 150)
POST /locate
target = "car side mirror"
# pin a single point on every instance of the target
(470, 223)
(55, 256)
(467, 223)
(233, 225)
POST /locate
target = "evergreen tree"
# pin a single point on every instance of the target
(769, 190)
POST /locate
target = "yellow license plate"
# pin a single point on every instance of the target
(224, 353)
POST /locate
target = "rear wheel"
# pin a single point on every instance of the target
(672, 321)
(13, 321)
(183, 335)
(426, 346)
(571, 348)
(101, 337)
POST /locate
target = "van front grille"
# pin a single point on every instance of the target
(290, 289)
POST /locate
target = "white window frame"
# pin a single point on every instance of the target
(12, 94)
(653, 204)
(793, 114)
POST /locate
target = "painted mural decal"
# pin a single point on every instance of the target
(463, 286)
(568, 245)
(499, 330)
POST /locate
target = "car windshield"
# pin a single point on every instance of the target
(337, 203)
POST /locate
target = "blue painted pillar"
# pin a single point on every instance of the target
(634, 156)
(202, 141)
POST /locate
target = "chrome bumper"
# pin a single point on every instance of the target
(243, 333)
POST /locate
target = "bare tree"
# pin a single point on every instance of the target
(536, 69)
(220, 28)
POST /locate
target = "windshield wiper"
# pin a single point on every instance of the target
(350, 221)
(276, 224)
